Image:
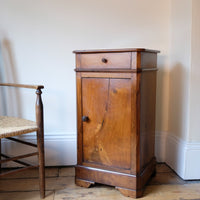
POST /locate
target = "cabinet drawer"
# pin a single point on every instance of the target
(106, 60)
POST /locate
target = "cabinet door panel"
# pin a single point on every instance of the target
(106, 136)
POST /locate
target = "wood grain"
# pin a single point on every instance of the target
(111, 95)
(115, 50)
(40, 141)
(147, 118)
(116, 142)
(130, 193)
(22, 85)
(83, 183)
(113, 60)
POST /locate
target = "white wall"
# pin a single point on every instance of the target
(39, 37)
(194, 135)
(180, 64)
(181, 143)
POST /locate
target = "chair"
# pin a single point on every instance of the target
(12, 126)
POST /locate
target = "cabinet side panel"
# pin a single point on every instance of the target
(135, 136)
(147, 117)
(148, 60)
(78, 60)
(79, 114)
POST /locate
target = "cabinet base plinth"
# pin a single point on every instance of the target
(128, 184)
(130, 193)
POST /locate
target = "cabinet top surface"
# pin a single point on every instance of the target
(116, 50)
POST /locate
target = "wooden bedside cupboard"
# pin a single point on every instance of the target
(116, 96)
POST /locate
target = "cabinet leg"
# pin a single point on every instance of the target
(154, 173)
(83, 183)
(130, 193)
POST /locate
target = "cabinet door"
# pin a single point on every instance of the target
(107, 133)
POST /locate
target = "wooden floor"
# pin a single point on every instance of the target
(166, 185)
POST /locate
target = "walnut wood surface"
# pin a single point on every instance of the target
(106, 177)
(18, 157)
(111, 95)
(130, 193)
(40, 141)
(148, 60)
(83, 183)
(116, 50)
(0, 156)
(116, 70)
(115, 145)
(22, 85)
(105, 75)
(147, 117)
(113, 60)
(127, 181)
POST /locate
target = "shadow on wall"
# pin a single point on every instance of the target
(162, 104)
(178, 114)
(173, 99)
(10, 98)
(178, 93)
(162, 95)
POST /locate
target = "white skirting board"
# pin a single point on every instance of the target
(181, 156)
(60, 149)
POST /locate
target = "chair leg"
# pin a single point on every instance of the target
(40, 142)
(0, 156)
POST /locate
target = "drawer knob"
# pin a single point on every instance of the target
(104, 60)
(85, 118)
